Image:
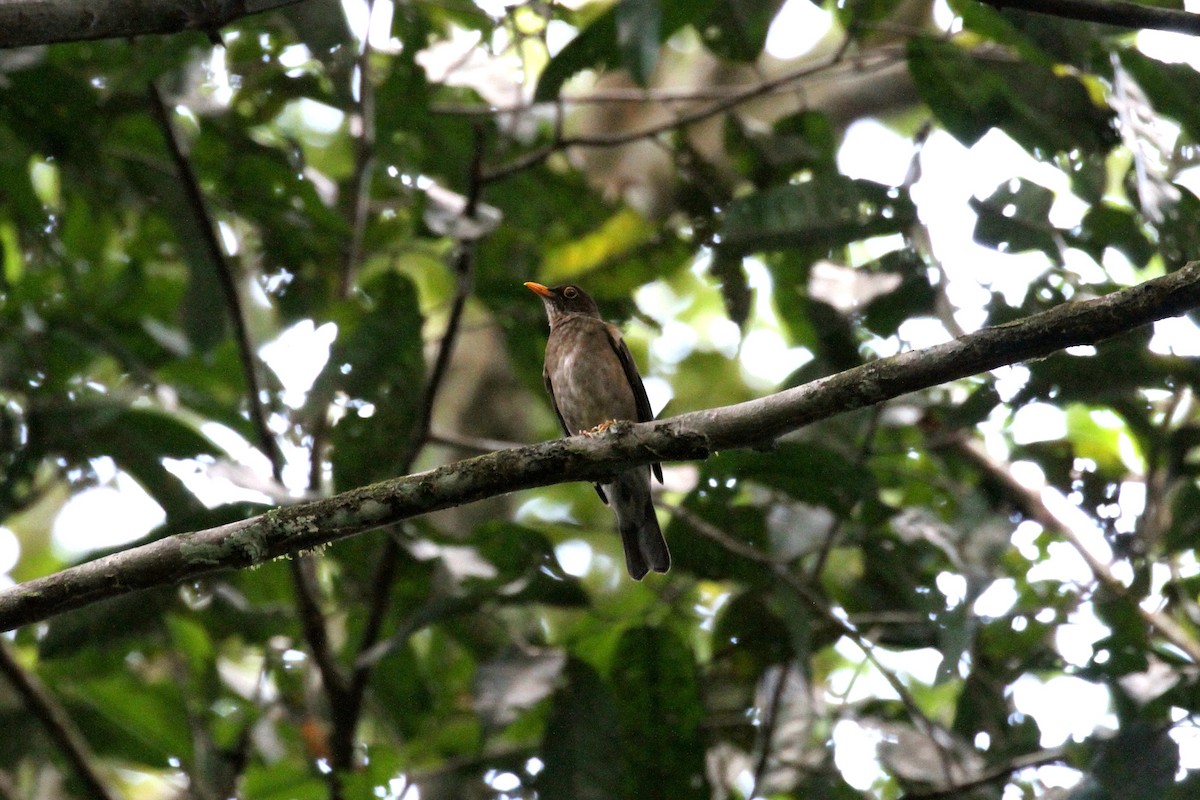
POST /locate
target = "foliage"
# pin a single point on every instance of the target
(167, 274)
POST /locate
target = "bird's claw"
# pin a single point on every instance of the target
(601, 428)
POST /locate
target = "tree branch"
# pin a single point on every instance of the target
(225, 278)
(62, 731)
(754, 423)
(994, 774)
(30, 22)
(1029, 501)
(883, 57)
(1110, 12)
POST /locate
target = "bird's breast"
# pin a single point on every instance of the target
(589, 383)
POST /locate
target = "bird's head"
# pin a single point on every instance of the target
(563, 301)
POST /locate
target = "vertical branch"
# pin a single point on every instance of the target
(247, 356)
(54, 719)
(364, 163)
(229, 291)
(344, 716)
(835, 527)
(767, 731)
(389, 559)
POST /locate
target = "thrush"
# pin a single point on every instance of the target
(593, 380)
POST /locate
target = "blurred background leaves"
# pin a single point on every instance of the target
(305, 276)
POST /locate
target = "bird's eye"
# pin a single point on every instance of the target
(570, 292)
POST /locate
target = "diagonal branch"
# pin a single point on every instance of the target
(29, 22)
(883, 58)
(1110, 12)
(695, 435)
(221, 268)
(62, 731)
(1029, 501)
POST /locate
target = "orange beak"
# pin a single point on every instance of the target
(537, 288)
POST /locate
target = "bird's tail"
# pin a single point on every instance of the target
(645, 547)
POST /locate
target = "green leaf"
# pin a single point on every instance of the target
(529, 571)
(110, 623)
(914, 297)
(1040, 109)
(737, 29)
(750, 626)
(804, 140)
(808, 472)
(1179, 232)
(654, 682)
(378, 362)
(1139, 763)
(695, 553)
(825, 212)
(1016, 218)
(128, 717)
(600, 45)
(1172, 88)
(136, 439)
(638, 25)
(282, 780)
(581, 747)
(1106, 226)
(855, 14)
(992, 24)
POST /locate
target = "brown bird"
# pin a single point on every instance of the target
(592, 380)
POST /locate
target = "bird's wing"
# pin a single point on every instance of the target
(554, 403)
(567, 431)
(644, 414)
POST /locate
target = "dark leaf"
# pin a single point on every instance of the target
(1039, 109)
(378, 361)
(737, 29)
(1139, 763)
(108, 624)
(1105, 226)
(1171, 88)
(825, 212)
(806, 471)
(638, 25)
(1015, 218)
(1179, 232)
(598, 46)
(734, 287)
(582, 744)
(914, 297)
(658, 704)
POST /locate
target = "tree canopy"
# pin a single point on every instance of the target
(911, 285)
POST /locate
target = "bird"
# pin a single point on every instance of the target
(593, 381)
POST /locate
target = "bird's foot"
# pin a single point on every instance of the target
(601, 428)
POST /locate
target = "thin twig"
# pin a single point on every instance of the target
(312, 620)
(814, 599)
(993, 774)
(1031, 505)
(561, 142)
(343, 696)
(835, 527)
(66, 737)
(364, 162)
(767, 731)
(37, 22)
(229, 291)
(478, 444)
